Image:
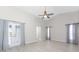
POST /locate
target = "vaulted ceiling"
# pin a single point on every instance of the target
(36, 10)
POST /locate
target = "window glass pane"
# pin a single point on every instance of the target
(71, 32)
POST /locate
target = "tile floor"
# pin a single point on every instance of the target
(46, 46)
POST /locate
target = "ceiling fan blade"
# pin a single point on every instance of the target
(48, 17)
(50, 14)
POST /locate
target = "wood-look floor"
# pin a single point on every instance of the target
(46, 46)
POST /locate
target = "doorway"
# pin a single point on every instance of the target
(48, 33)
(72, 33)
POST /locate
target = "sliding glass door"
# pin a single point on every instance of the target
(11, 34)
(72, 35)
(15, 34)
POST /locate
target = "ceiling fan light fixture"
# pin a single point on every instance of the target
(45, 16)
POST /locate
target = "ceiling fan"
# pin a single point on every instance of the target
(46, 15)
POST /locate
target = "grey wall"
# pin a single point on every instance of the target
(58, 30)
(11, 13)
(58, 22)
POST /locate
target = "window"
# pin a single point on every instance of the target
(71, 32)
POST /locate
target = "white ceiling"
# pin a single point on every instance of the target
(36, 10)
